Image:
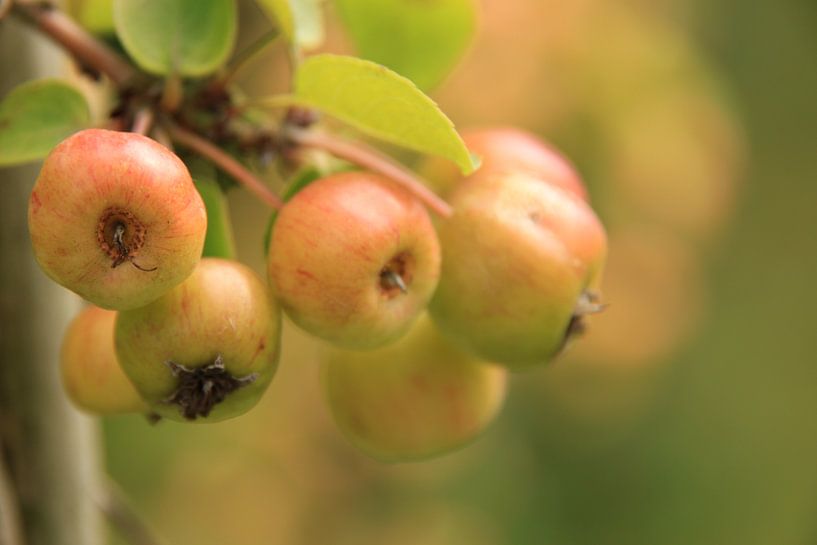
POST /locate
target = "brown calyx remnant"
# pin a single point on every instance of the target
(202, 388)
(121, 235)
(396, 275)
(588, 303)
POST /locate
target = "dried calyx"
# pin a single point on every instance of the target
(396, 275)
(202, 388)
(588, 303)
(121, 235)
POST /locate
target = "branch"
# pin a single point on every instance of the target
(73, 38)
(225, 162)
(50, 448)
(371, 159)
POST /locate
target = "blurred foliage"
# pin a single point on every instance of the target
(687, 416)
(420, 40)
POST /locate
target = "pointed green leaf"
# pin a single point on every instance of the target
(36, 116)
(188, 37)
(301, 21)
(421, 40)
(219, 241)
(381, 103)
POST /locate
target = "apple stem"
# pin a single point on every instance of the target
(225, 162)
(89, 51)
(142, 121)
(369, 158)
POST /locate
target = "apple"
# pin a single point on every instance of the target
(115, 217)
(205, 350)
(521, 262)
(507, 149)
(416, 398)
(90, 372)
(353, 259)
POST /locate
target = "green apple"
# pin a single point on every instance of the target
(507, 149)
(207, 349)
(90, 372)
(115, 217)
(416, 398)
(520, 260)
(353, 259)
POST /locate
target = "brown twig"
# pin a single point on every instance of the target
(224, 162)
(120, 514)
(369, 158)
(89, 51)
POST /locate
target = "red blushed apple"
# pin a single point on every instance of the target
(506, 149)
(207, 349)
(90, 372)
(521, 260)
(115, 217)
(354, 259)
(416, 398)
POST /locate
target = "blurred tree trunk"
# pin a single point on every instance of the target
(49, 450)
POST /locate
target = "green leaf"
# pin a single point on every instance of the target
(36, 116)
(381, 103)
(219, 241)
(301, 21)
(188, 37)
(421, 40)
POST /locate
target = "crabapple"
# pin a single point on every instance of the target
(521, 260)
(90, 372)
(507, 149)
(115, 217)
(353, 259)
(206, 349)
(416, 398)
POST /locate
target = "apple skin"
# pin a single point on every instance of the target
(94, 172)
(329, 245)
(417, 398)
(517, 256)
(221, 309)
(507, 149)
(90, 372)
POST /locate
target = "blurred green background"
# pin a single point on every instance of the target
(689, 413)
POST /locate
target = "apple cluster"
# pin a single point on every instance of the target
(422, 318)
